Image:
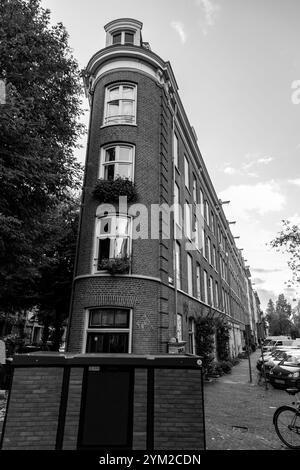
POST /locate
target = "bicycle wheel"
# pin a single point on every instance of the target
(287, 425)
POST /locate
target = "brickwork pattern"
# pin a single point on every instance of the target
(33, 409)
(178, 416)
(139, 294)
(73, 409)
(140, 410)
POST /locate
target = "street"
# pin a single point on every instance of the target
(238, 414)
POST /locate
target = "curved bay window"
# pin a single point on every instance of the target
(117, 161)
(112, 240)
(120, 104)
(108, 331)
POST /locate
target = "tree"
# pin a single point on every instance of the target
(296, 319)
(39, 129)
(271, 317)
(288, 240)
(56, 273)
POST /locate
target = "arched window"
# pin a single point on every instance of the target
(117, 161)
(113, 239)
(120, 104)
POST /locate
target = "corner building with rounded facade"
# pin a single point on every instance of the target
(139, 131)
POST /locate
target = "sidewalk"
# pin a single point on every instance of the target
(238, 414)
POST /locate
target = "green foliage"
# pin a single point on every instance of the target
(226, 366)
(115, 265)
(110, 190)
(222, 339)
(279, 317)
(53, 288)
(205, 340)
(288, 241)
(38, 133)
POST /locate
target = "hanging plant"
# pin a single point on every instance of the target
(204, 336)
(222, 339)
(109, 191)
(115, 265)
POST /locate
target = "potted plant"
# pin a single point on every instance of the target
(108, 191)
(115, 265)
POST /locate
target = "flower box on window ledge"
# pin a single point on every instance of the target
(115, 265)
(111, 190)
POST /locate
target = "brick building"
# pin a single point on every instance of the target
(139, 130)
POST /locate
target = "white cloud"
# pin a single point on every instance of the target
(229, 170)
(265, 160)
(210, 9)
(179, 28)
(295, 181)
(251, 200)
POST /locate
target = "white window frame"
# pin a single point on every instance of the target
(188, 220)
(211, 291)
(122, 32)
(189, 274)
(216, 294)
(192, 339)
(122, 117)
(97, 237)
(186, 173)
(177, 208)
(198, 281)
(178, 264)
(205, 279)
(175, 150)
(117, 162)
(201, 202)
(195, 189)
(179, 327)
(209, 250)
(107, 330)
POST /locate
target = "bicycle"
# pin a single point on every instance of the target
(286, 420)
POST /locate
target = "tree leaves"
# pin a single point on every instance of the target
(39, 129)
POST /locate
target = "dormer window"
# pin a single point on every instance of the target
(123, 37)
(124, 31)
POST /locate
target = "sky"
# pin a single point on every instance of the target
(237, 65)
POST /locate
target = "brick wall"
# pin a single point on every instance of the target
(73, 409)
(33, 409)
(140, 410)
(178, 417)
(141, 295)
(32, 420)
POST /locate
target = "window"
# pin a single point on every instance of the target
(175, 150)
(192, 342)
(120, 104)
(196, 233)
(117, 161)
(108, 331)
(190, 274)
(177, 208)
(216, 294)
(212, 221)
(195, 190)
(177, 261)
(214, 257)
(186, 172)
(208, 250)
(112, 238)
(198, 282)
(203, 242)
(211, 291)
(205, 288)
(179, 327)
(206, 212)
(123, 37)
(188, 220)
(201, 203)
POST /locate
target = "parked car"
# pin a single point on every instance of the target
(287, 373)
(270, 355)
